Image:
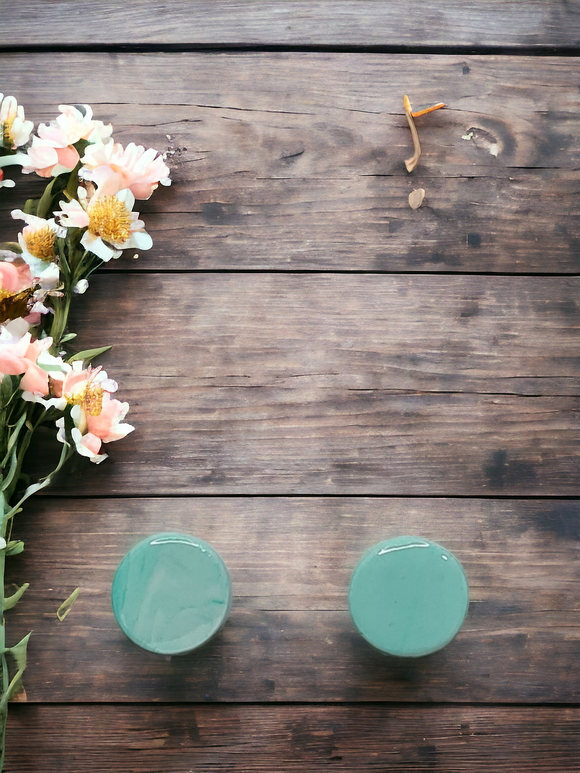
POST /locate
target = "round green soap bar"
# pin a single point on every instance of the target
(171, 593)
(408, 596)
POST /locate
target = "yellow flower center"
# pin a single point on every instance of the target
(110, 219)
(89, 397)
(41, 243)
(7, 138)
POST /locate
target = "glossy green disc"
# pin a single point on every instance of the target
(408, 596)
(171, 593)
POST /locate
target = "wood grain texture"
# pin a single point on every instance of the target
(447, 23)
(265, 384)
(289, 636)
(418, 385)
(295, 161)
(463, 739)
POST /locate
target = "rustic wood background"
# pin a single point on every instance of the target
(312, 366)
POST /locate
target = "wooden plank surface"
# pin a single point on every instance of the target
(289, 637)
(295, 161)
(252, 739)
(428, 389)
(430, 23)
(322, 384)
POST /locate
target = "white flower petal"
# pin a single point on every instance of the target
(53, 402)
(118, 432)
(141, 240)
(98, 247)
(61, 434)
(51, 364)
(83, 450)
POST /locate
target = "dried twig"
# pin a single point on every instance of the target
(411, 163)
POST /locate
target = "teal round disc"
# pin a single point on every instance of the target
(408, 596)
(171, 593)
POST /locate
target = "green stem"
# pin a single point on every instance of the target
(5, 675)
(22, 444)
(60, 319)
(3, 712)
(7, 514)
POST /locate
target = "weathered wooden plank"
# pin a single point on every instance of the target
(473, 334)
(466, 739)
(272, 176)
(537, 23)
(289, 637)
(265, 384)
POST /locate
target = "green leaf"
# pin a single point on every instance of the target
(6, 391)
(19, 693)
(73, 180)
(44, 205)
(12, 246)
(66, 605)
(89, 354)
(81, 146)
(60, 246)
(12, 438)
(30, 490)
(14, 547)
(11, 601)
(18, 652)
(68, 337)
(10, 384)
(14, 687)
(30, 206)
(9, 475)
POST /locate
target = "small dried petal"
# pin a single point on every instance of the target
(416, 198)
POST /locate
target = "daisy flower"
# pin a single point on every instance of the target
(37, 242)
(111, 225)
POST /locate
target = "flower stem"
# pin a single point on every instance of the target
(5, 675)
(60, 319)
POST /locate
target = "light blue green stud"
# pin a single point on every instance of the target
(171, 593)
(408, 596)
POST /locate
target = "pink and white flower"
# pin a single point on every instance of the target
(19, 356)
(53, 151)
(14, 276)
(113, 168)
(98, 418)
(48, 160)
(20, 293)
(111, 225)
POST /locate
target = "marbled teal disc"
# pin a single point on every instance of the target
(408, 596)
(171, 593)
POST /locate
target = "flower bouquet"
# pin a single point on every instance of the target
(83, 218)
